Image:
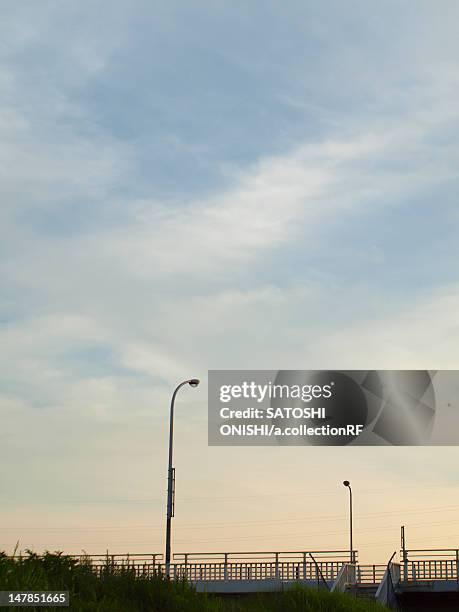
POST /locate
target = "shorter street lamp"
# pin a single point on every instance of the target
(347, 484)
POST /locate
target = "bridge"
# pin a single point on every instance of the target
(430, 575)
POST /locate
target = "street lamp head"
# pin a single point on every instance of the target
(346, 483)
(194, 382)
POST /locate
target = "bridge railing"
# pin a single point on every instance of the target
(139, 564)
(322, 566)
(370, 574)
(262, 556)
(420, 565)
(256, 571)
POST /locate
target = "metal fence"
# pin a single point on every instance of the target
(420, 565)
(255, 571)
(417, 565)
(320, 566)
(370, 574)
(290, 565)
(139, 564)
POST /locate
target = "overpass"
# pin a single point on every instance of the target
(420, 576)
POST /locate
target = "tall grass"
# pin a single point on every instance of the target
(122, 591)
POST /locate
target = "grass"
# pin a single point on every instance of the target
(122, 591)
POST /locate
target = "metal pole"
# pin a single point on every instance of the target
(350, 524)
(171, 474)
(347, 484)
(405, 556)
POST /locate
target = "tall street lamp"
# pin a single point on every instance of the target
(193, 382)
(347, 484)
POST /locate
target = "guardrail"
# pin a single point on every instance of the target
(138, 563)
(255, 571)
(322, 566)
(370, 574)
(430, 564)
(121, 558)
(341, 556)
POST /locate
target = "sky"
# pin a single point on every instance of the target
(220, 185)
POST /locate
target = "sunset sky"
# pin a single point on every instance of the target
(220, 185)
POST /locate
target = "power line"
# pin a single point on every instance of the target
(217, 499)
(207, 525)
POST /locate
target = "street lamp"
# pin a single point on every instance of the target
(193, 382)
(347, 484)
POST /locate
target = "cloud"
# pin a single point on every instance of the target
(422, 335)
(280, 200)
(120, 286)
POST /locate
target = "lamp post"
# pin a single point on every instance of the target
(193, 382)
(347, 484)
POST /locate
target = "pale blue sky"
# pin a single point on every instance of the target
(216, 185)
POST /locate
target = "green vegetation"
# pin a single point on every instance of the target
(121, 591)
